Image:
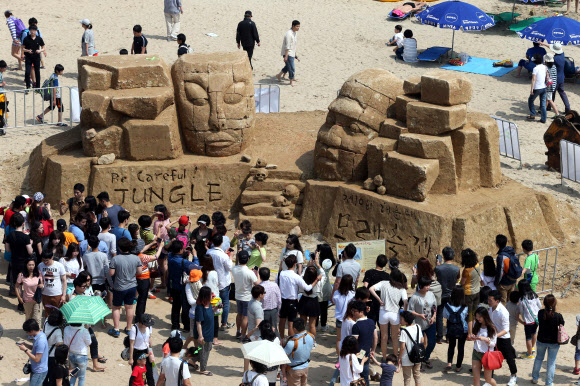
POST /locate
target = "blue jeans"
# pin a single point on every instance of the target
(80, 361)
(399, 52)
(552, 349)
(225, 297)
(289, 67)
(431, 334)
(542, 94)
(36, 379)
(365, 372)
(334, 377)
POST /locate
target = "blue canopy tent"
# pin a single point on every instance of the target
(456, 15)
(556, 29)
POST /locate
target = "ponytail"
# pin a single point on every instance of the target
(90, 26)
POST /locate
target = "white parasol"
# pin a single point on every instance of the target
(265, 352)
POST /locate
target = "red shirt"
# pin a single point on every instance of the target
(7, 215)
(139, 374)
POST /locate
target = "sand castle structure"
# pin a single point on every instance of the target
(399, 160)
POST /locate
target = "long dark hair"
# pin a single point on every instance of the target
(204, 297)
(73, 247)
(56, 235)
(550, 302)
(206, 267)
(491, 330)
(296, 242)
(35, 272)
(310, 275)
(457, 296)
(163, 209)
(345, 285)
(349, 346)
(526, 291)
(488, 266)
(424, 268)
(326, 253)
(396, 279)
(468, 258)
(35, 213)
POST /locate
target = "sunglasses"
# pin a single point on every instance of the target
(289, 242)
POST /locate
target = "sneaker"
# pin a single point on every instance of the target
(376, 377)
(576, 371)
(238, 335)
(324, 328)
(535, 381)
(226, 326)
(151, 296)
(486, 384)
(246, 340)
(170, 299)
(513, 380)
(173, 37)
(526, 356)
(114, 333)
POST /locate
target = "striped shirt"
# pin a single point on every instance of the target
(553, 72)
(12, 26)
(410, 50)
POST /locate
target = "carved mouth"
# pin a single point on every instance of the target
(219, 140)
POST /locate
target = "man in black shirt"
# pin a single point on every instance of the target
(247, 35)
(139, 41)
(33, 46)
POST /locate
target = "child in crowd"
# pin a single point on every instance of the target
(410, 336)
(180, 233)
(258, 254)
(364, 330)
(183, 48)
(528, 307)
(61, 371)
(138, 376)
(553, 77)
(243, 237)
(512, 307)
(204, 325)
(55, 97)
(139, 45)
(397, 39)
(390, 367)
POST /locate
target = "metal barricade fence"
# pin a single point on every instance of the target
(26, 104)
(569, 153)
(509, 140)
(267, 98)
(542, 278)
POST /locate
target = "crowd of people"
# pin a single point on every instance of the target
(104, 253)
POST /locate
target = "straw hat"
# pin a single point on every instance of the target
(195, 275)
(549, 58)
(557, 48)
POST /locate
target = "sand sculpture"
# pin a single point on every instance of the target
(403, 161)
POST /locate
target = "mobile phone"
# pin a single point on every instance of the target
(74, 372)
(20, 344)
(256, 268)
(159, 239)
(230, 249)
(361, 354)
(439, 259)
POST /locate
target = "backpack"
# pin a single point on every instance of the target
(417, 352)
(295, 340)
(514, 269)
(454, 322)
(20, 27)
(187, 47)
(183, 238)
(180, 374)
(46, 89)
(246, 382)
(530, 275)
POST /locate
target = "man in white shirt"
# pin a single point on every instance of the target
(290, 283)
(172, 366)
(54, 278)
(107, 237)
(245, 279)
(289, 52)
(501, 319)
(222, 264)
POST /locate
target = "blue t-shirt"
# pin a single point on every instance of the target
(40, 346)
(176, 267)
(560, 62)
(535, 50)
(113, 215)
(77, 232)
(205, 316)
(85, 244)
(387, 375)
(365, 329)
(120, 233)
(302, 353)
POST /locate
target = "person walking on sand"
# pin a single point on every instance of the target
(15, 26)
(289, 53)
(88, 40)
(173, 11)
(247, 35)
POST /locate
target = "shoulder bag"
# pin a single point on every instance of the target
(492, 360)
(358, 382)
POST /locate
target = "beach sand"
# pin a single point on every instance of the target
(337, 38)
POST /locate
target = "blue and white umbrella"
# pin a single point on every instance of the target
(456, 15)
(556, 29)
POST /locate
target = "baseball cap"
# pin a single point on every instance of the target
(142, 356)
(175, 334)
(38, 196)
(194, 275)
(61, 225)
(248, 13)
(183, 220)
(146, 320)
(85, 22)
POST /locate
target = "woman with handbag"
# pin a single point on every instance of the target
(350, 368)
(485, 338)
(29, 290)
(551, 335)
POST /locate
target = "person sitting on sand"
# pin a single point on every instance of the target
(408, 51)
(529, 63)
(397, 39)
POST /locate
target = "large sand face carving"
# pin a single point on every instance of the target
(420, 162)
(215, 97)
(354, 118)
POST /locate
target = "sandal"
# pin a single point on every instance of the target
(448, 368)
(102, 360)
(531, 117)
(194, 366)
(458, 369)
(428, 364)
(208, 373)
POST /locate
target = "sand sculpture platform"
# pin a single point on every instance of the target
(401, 161)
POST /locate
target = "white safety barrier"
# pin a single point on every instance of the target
(509, 140)
(569, 153)
(26, 104)
(267, 98)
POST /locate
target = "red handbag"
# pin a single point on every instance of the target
(492, 360)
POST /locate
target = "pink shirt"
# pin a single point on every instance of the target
(164, 236)
(28, 286)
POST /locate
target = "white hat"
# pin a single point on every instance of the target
(557, 48)
(85, 22)
(549, 58)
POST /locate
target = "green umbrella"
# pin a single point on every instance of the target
(85, 310)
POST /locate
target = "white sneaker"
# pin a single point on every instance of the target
(324, 328)
(486, 384)
(513, 380)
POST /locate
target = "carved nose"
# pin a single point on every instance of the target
(218, 114)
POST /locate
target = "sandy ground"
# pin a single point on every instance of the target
(337, 38)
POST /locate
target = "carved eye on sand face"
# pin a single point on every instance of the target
(196, 94)
(234, 93)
